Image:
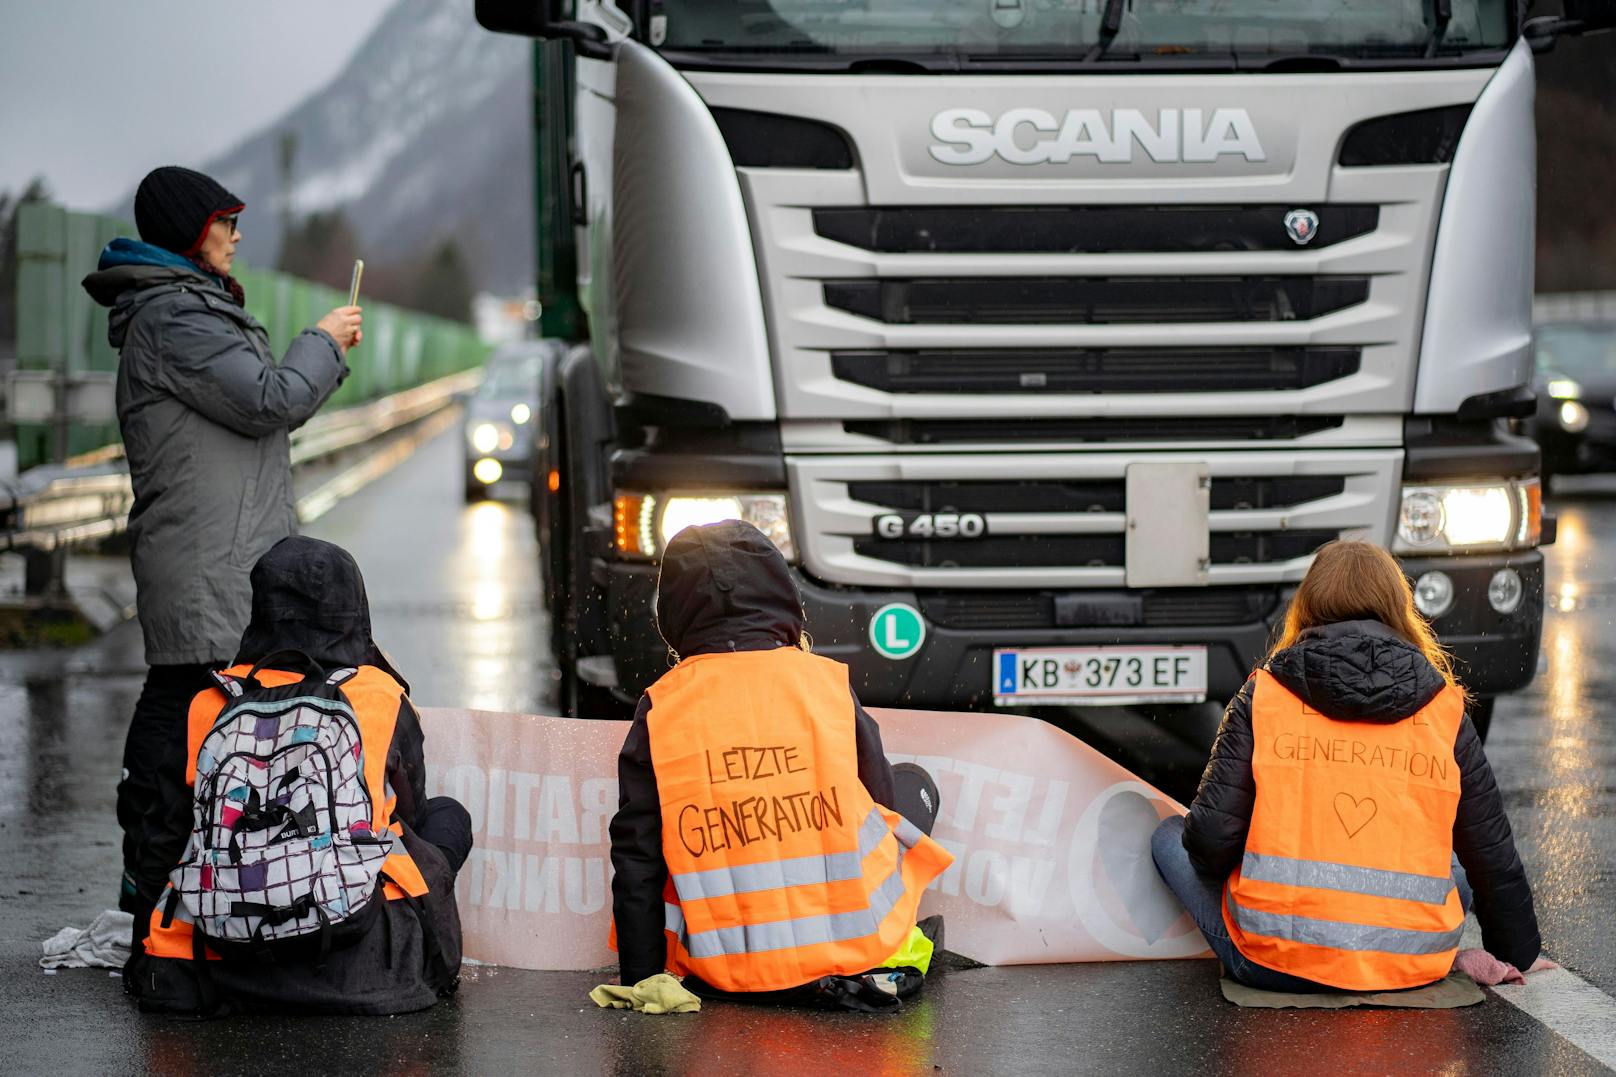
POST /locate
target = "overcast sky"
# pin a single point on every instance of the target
(94, 93)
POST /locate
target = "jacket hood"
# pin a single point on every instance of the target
(725, 587)
(131, 273)
(1357, 671)
(308, 595)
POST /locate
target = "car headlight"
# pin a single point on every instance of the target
(644, 524)
(1565, 389)
(1468, 518)
(520, 414)
(487, 437)
(1573, 416)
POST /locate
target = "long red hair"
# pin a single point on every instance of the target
(1357, 581)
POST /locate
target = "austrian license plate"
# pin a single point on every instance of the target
(1099, 676)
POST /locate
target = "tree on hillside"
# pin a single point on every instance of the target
(322, 247)
(36, 191)
(443, 285)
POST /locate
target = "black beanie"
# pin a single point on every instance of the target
(174, 208)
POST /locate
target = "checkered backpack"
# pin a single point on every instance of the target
(282, 858)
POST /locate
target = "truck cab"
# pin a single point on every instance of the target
(1048, 340)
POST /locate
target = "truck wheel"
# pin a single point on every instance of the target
(1481, 715)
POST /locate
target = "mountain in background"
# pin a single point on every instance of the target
(424, 137)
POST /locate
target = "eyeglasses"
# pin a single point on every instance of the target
(229, 222)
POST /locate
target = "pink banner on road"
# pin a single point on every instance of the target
(1051, 839)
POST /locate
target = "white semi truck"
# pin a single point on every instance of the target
(1047, 338)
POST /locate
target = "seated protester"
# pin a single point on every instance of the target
(1317, 854)
(318, 876)
(764, 848)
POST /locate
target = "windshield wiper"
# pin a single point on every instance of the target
(1111, 25)
(1441, 15)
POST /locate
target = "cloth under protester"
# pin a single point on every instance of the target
(1452, 992)
(104, 944)
(654, 994)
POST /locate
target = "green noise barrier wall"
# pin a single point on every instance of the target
(61, 327)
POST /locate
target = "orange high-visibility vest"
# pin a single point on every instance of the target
(781, 867)
(1347, 874)
(375, 698)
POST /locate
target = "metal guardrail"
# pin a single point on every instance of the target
(1550, 307)
(52, 507)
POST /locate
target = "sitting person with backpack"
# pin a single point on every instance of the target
(318, 877)
(764, 848)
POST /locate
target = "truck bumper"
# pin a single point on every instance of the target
(953, 669)
(1494, 652)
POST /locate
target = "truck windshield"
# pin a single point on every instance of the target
(951, 34)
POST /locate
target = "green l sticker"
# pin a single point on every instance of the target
(897, 630)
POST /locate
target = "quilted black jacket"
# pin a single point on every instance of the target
(1362, 671)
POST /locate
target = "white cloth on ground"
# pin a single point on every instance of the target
(104, 944)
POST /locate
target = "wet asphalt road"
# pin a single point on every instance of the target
(454, 599)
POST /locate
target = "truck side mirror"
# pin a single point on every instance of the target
(538, 18)
(1577, 17)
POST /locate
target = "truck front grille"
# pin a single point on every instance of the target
(1094, 300)
(1143, 429)
(1095, 370)
(1083, 229)
(1080, 551)
(989, 526)
(1032, 610)
(1094, 495)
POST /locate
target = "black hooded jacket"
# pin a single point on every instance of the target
(1362, 671)
(308, 596)
(723, 587)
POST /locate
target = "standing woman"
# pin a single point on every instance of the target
(205, 413)
(1318, 852)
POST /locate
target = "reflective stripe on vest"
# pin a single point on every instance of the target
(1346, 878)
(1339, 935)
(798, 871)
(781, 868)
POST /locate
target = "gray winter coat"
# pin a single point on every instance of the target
(205, 414)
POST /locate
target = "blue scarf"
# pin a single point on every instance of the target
(133, 252)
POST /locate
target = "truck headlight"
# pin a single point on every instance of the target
(644, 524)
(1469, 518)
(1565, 389)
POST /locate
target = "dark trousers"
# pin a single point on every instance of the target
(154, 805)
(446, 823)
(1202, 897)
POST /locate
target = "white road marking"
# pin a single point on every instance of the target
(1570, 1006)
(318, 502)
(1576, 1009)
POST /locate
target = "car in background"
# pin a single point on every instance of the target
(499, 416)
(1575, 382)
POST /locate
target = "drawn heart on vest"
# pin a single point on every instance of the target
(1354, 813)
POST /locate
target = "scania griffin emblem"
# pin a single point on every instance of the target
(1301, 225)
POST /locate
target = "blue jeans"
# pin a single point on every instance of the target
(1202, 897)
